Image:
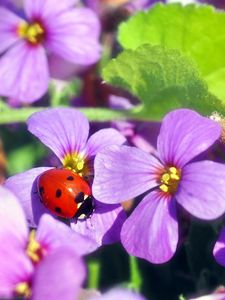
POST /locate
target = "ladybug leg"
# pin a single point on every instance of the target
(85, 210)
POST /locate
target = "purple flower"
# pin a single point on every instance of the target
(219, 248)
(26, 44)
(172, 178)
(65, 132)
(37, 265)
(11, 4)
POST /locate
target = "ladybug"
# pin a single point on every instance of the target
(65, 194)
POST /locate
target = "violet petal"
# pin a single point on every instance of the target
(74, 35)
(123, 172)
(151, 232)
(58, 276)
(24, 71)
(63, 130)
(201, 190)
(104, 226)
(53, 234)
(219, 248)
(46, 8)
(13, 227)
(183, 135)
(24, 186)
(103, 138)
(8, 26)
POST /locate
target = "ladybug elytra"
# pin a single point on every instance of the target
(65, 194)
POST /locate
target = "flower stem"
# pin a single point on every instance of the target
(12, 115)
(135, 275)
(94, 274)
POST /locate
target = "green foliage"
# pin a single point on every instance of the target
(20, 159)
(197, 31)
(61, 92)
(163, 79)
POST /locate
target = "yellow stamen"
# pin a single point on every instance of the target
(23, 290)
(33, 33)
(170, 180)
(34, 249)
(77, 163)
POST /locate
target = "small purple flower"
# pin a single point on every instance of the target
(48, 29)
(40, 265)
(219, 248)
(122, 172)
(65, 131)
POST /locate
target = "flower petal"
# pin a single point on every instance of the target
(201, 191)
(46, 8)
(183, 135)
(119, 293)
(122, 173)
(59, 276)
(15, 267)
(62, 69)
(8, 26)
(104, 225)
(151, 232)
(24, 71)
(24, 185)
(219, 248)
(13, 227)
(102, 138)
(53, 234)
(63, 130)
(74, 35)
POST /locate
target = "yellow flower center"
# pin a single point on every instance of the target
(33, 33)
(23, 290)
(170, 180)
(77, 163)
(34, 250)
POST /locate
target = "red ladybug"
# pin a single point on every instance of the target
(65, 194)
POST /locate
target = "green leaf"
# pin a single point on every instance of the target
(196, 30)
(162, 79)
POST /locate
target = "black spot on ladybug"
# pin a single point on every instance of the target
(41, 190)
(70, 178)
(58, 210)
(58, 193)
(79, 198)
